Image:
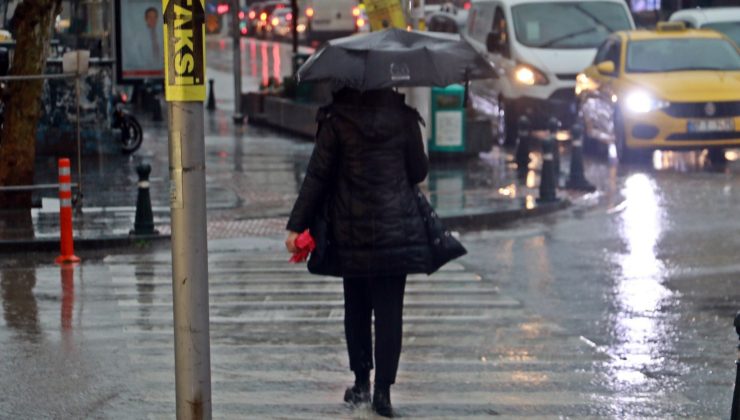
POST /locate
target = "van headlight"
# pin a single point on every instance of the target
(528, 75)
(642, 102)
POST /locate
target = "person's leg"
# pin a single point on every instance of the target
(357, 329)
(387, 296)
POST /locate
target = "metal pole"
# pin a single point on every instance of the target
(735, 414)
(190, 260)
(185, 92)
(294, 25)
(238, 116)
(78, 202)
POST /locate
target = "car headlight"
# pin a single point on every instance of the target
(642, 102)
(529, 76)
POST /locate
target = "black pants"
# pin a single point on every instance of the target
(384, 296)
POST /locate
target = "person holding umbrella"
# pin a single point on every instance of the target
(359, 199)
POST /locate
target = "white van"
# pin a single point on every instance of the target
(725, 20)
(539, 47)
(329, 19)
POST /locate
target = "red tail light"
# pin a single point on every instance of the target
(467, 5)
(222, 9)
(252, 14)
(124, 97)
(241, 15)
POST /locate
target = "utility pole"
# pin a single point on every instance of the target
(237, 48)
(185, 91)
(294, 25)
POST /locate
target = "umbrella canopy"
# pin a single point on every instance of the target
(394, 57)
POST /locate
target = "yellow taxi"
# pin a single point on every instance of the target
(670, 88)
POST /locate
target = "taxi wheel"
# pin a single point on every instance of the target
(624, 153)
(717, 156)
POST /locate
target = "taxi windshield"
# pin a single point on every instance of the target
(681, 54)
(729, 29)
(568, 24)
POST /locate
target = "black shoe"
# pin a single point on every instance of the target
(357, 394)
(382, 402)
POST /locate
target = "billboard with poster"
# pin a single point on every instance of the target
(139, 39)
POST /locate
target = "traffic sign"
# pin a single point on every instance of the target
(184, 50)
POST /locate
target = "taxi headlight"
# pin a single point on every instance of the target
(642, 102)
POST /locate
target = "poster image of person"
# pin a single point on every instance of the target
(141, 39)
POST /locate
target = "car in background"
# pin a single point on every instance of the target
(264, 17)
(249, 18)
(281, 24)
(671, 88)
(329, 19)
(721, 19)
(538, 48)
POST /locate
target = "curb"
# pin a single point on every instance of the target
(487, 219)
(482, 219)
(102, 242)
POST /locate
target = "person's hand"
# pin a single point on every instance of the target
(290, 242)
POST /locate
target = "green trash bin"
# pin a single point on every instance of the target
(448, 119)
(303, 90)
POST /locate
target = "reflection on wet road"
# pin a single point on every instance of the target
(645, 274)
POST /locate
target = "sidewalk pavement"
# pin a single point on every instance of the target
(252, 178)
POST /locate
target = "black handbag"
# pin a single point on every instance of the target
(323, 259)
(444, 246)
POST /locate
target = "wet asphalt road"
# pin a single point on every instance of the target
(619, 307)
(646, 273)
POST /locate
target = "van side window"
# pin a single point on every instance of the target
(500, 27)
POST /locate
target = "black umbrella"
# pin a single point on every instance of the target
(394, 57)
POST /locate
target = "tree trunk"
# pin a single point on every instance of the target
(33, 22)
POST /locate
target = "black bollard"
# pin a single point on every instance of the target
(736, 394)
(156, 108)
(548, 183)
(522, 147)
(553, 125)
(577, 179)
(211, 105)
(144, 222)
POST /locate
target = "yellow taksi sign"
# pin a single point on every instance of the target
(385, 14)
(184, 50)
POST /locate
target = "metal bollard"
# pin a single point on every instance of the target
(211, 104)
(522, 148)
(553, 125)
(66, 239)
(144, 221)
(577, 179)
(548, 178)
(156, 108)
(736, 394)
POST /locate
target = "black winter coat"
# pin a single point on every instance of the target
(367, 157)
